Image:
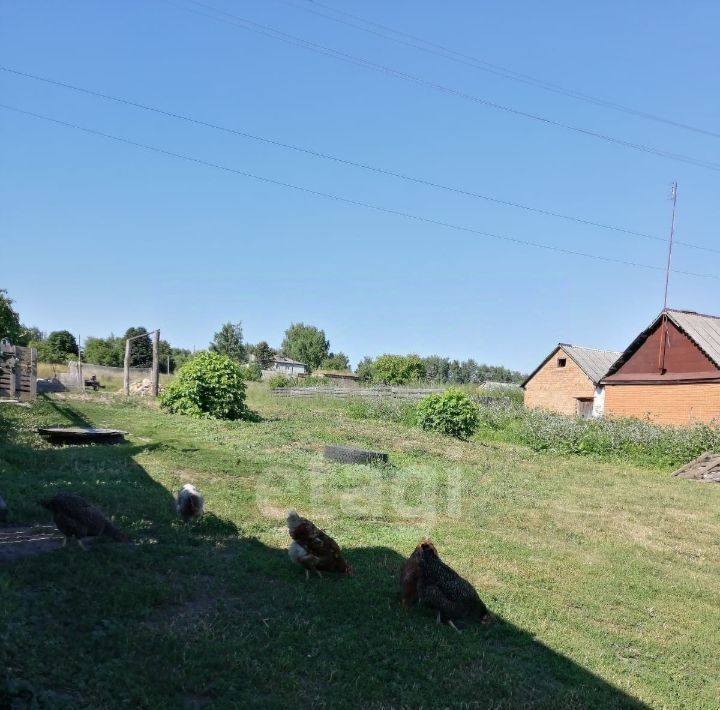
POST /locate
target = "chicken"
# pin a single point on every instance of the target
(189, 503)
(77, 518)
(442, 589)
(410, 572)
(313, 548)
(3, 511)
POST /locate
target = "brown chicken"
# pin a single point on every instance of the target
(437, 586)
(77, 518)
(313, 548)
(410, 573)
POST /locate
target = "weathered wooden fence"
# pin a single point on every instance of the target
(349, 392)
(18, 372)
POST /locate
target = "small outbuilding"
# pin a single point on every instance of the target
(670, 373)
(568, 381)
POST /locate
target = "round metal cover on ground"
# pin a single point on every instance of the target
(81, 435)
(349, 454)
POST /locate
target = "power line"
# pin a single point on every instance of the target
(345, 161)
(347, 200)
(439, 50)
(293, 40)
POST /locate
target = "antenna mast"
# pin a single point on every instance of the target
(663, 323)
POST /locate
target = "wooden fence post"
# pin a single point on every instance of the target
(126, 372)
(156, 364)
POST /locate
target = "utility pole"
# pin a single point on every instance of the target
(663, 323)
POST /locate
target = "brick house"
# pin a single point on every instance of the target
(670, 372)
(567, 381)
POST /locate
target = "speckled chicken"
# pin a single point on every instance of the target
(442, 589)
(313, 548)
(189, 503)
(77, 518)
(410, 573)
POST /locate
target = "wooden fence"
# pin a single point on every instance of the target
(18, 372)
(349, 392)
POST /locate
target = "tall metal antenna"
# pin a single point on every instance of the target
(672, 232)
(664, 334)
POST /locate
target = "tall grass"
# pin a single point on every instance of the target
(635, 440)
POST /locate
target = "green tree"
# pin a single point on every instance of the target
(335, 361)
(29, 334)
(306, 344)
(398, 369)
(365, 369)
(180, 356)
(57, 348)
(140, 348)
(104, 351)
(10, 327)
(229, 341)
(264, 354)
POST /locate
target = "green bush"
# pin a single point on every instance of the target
(452, 413)
(398, 369)
(210, 385)
(280, 380)
(252, 372)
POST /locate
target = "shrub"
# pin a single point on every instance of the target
(280, 380)
(252, 372)
(452, 413)
(210, 385)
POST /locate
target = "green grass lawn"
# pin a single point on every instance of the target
(605, 578)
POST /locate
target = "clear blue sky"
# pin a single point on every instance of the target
(98, 236)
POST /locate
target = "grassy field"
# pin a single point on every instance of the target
(604, 578)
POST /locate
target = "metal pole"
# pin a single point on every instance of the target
(664, 334)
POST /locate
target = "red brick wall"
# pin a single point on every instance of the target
(556, 388)
(680, 405)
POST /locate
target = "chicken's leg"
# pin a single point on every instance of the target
(450, 623)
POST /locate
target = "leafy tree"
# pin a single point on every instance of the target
(140, 348)
(57, 348)
(398, 369)
(105, 351)
(306, 343)
(10, 327)
(30, 334)
(229, 341)
(210, 385)
(179, 357)
(335, 361)
(365, 370)
(264, 354)
(252, 372)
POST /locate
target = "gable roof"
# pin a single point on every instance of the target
(286, 360)
(702, 329)
(594, 363)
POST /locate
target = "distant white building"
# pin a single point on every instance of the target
(286, 366)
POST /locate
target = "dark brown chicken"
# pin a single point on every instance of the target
(313, 548)
(410, 573)
(77, 518)
(3, 511)
(442, 589)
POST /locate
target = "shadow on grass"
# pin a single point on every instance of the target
(199, 614)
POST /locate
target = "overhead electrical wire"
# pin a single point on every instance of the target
(345, 161)
(282, 36)
(453, 55)
(347, 200)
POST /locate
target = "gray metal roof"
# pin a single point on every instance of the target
(594, 363)
(703, 330)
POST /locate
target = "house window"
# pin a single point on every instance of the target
(561, 362)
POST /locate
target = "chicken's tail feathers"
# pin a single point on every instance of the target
(293, 519)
